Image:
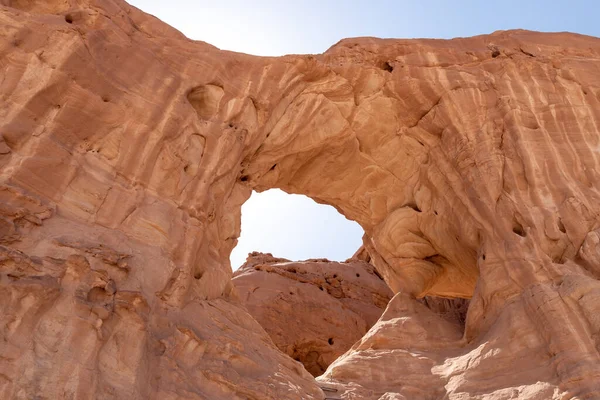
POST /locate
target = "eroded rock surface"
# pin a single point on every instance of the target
(70, 329)
(313, 310)
(471, 164)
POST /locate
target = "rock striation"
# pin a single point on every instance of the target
(127, 150)
(314, 310)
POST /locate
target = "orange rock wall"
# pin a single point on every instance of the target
(127, 151)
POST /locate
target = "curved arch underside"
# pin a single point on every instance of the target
(127, 151)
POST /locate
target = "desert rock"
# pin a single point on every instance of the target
(127, 150)
(313, 310)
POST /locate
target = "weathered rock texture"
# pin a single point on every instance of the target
(313, 310)
(127, 150)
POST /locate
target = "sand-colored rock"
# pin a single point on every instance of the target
(70, 332)
(127, 151)
(313, 310)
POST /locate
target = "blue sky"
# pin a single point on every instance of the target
(294, 226)
(276, 27)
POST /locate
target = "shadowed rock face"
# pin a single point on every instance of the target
(314, 310)
(127, 151)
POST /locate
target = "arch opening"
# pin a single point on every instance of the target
(317, 306)
(294, 227)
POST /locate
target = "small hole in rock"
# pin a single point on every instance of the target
(185, 168)
(321, 288)
(358, 275)
(273, 167)
(518, 229)
(335, 275)
(330, 341)
(244, 178)
(435, 212)
(69, 18)
(495, 53)
(387, 67)
(483, 257)
(105, 99)
(198, 275)
(230, 125)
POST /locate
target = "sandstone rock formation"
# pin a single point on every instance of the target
(314, 310)
(127, 151)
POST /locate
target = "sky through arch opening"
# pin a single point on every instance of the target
(295, 227)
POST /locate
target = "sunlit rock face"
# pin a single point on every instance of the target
(314, 310)
(127, 151)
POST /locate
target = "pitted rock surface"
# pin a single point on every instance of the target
(314, 310)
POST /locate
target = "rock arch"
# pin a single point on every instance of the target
(471, 164)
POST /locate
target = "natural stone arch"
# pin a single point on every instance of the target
(465, 169)
(314, 150)
(462, 147)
